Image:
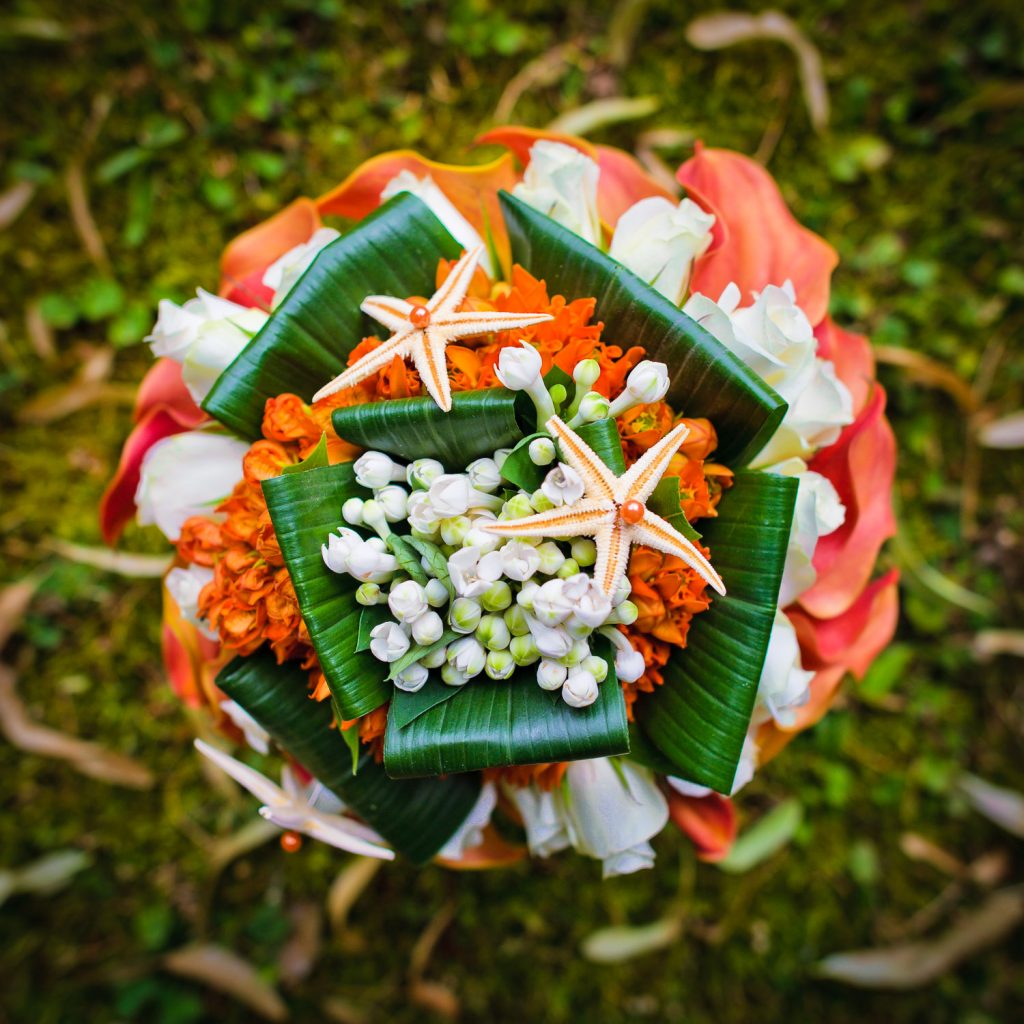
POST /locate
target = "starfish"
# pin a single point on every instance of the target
(613, 510)
(421, 333)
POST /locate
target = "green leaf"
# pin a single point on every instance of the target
(698, 718)
(487, 724)
(407, 557)
(603, 438)
(706, 379)
(350, 736)
(417, 818)
(764, 838)
(307, 341)
(305, 509)
(479, 423)
(665, 502)
(436, 559)
(369, 618)
(407, 706)
(519, 469)
(316, 459)
(420, 651)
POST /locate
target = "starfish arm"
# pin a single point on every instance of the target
(392, 313)
(584, 519)
(428, 358)
(449, 296)
(598, 480)
(466, 325)
(612, 556)
(656, 533)
(639, 481)
(368, 365)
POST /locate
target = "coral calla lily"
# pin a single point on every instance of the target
(709, 822)
(758, 241)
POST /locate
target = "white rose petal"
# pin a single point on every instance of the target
(561, 182)
(286, 270)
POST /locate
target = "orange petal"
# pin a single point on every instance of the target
(163, 385)
(519, 140)
(187, 654)
(759, 240)
(861, 466)
(472, 190)
(247, 257)
(493, 852)
(708, 821)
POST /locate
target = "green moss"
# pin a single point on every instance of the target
(218, 115)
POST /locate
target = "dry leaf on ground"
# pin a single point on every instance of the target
(349, 885)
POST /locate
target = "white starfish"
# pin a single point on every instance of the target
(291, 808)
(421, 333)
(612, 510)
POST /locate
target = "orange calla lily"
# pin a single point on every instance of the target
(759, 242)
(709, 822)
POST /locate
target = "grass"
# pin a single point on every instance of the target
(188, 121)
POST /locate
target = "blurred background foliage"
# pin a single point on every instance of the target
(137, 139)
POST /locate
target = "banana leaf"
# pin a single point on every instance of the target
(307, 340)
(479, 423)
(699, 717)
(706, 379)
(305, 508)
(485, 724)
(416, 817)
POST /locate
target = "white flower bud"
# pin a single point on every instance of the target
(464, 615)
(552, 641)
(585, 374)
(515, 619)
(550, 605)
(647, 382)
(542, 451)
(593, 407)
(422, 473)
(352, 511)
(551, 675)
(450, 495)
(597, 667)
(497, 597)
(629, 664)
(338, 548)
(374, 517)
(467, 656)
(622, 591)
(388, 641)
(451, 676)
(435, 659)
(437, 593)
(593, 606)
(519, 561)
(626, 613)
(427, 628)
(407, 601)
(577, 628)
(375, 470)
(563, 485)
(471, 573)
(523, 649)
(493, 633)
(540, 501)
(584, 550)
(483, 475)
(421, 514)
(394, 500)
(412, 678)
(500, 456)
(519, 368)
(568, 570)
(369, 594)
(368, 564)
(580, 689)
(527, 592)
(551, 558)
(499, 665)
(483, 540)
(455, 530)
(577, 654)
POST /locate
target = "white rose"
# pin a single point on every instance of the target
(185, 475)
(185, 586)
(636, 858)
(408, 601)
(426, 190)
(545, 825)
(282, 275)
(388, 641)
(562, 485)
(784, 684)
(561, 182)
(519, 561)
(659, 241)
(255, 735)
(471, 832)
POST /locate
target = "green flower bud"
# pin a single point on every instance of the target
(497, 597)
(454, 530)
(542, 451)
(626, 613)
(597, 667)
(579, 651)
(524, 599)
(493, 633)
(464, 615)
(558, 394)
(515, 619)
(451, 676)
(524, 649)
(586, 373)
(584, 550)
(499, 665)
(435, 659)
(593, 407)
(423, 472)
(437, 593)
(540, 501)
(517, 507)
(569, 567)
(369, 594)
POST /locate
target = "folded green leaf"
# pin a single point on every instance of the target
(479, 423)
(706, 379)
(307, 340)
(316, 459)
(418, 652)
(435, 559)
(417, 818)
(407, 706)
(369, 619)
(603, 438)
(665, 501)
(486, 724)
(519, 469)
(698, 718)
(305, 509)
(408, 558)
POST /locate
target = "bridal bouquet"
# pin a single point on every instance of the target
(530, 507)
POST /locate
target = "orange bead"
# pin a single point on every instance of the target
(291, 842)
(632, 512)
(419, 316)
